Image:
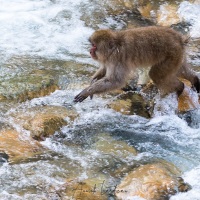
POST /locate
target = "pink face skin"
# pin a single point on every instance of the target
(93, 51)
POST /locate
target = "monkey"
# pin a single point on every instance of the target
(121, 52)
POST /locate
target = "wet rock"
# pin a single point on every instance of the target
(113, 14)
(167, 15)
(18, 147)
(188, 100)
(44, 125)
(146, 9)
(24, 87)
(156, 181)
(66, 74)
(102, 12)
(161, 13)
(43, 121)
(132, 103)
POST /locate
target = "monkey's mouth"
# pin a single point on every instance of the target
(94, 56)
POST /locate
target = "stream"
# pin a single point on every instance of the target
(47, 34)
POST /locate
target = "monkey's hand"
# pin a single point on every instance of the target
(82, 95)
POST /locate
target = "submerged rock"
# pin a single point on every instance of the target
(91, 188)
(18, 147)
(156, 181)
(107, 145)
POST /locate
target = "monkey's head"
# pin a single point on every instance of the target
(103, 43)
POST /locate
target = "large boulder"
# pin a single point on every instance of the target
(156, 181)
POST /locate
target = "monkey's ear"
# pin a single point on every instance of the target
(111, 44)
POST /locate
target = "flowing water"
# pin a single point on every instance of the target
(56, 30)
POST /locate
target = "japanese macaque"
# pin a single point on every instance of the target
(121, 52)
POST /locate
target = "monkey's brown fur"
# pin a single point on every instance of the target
(121, 52)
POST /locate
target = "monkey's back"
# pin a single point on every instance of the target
(148, 45)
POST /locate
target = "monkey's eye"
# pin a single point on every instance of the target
(93, 45)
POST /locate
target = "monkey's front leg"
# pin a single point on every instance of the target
(83, 95)
(98, 75)
(102, 85)
(101, 72)
(88, 91)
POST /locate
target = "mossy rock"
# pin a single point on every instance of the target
(25, 87)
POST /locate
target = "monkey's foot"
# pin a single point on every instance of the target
(188, 100)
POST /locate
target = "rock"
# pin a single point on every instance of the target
(114, 14)
(167, 15)
(145, 9)
(161, 13)
(132, 103)
(44, 125)
(17, 146)
(142, 103)
(155, 181)
(43, 121)
(189, 99)
(25, 87)
(49, 120)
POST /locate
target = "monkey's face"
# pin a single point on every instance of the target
(102, 44)
(93, 51)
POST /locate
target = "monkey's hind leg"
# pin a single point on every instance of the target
(186, 72)
(164, 76)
